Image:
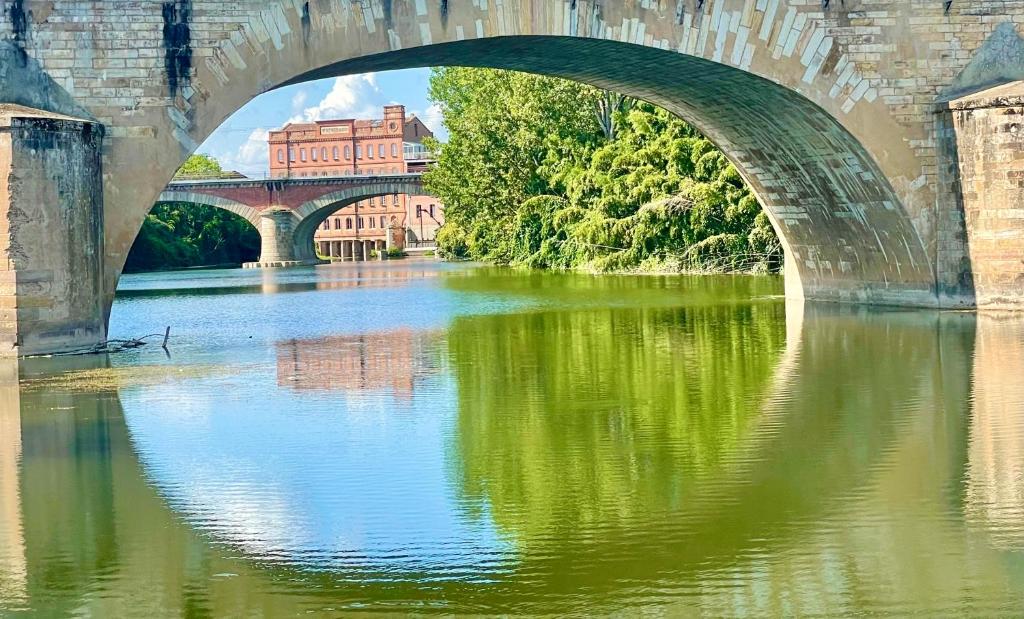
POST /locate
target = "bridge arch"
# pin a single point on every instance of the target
(844, 151)
(314, 212)
(244, 211)
(777, 99)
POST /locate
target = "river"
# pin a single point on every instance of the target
(435, 438)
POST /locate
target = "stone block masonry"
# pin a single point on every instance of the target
(51, 233)
(989, 128)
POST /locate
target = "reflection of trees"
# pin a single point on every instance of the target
(569, 418)
(693, 465)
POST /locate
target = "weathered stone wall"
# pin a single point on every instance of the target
(828, 109)
(51, 233)
(989, 128)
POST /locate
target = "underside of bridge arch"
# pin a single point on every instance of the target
(313, 213)
(846, 233)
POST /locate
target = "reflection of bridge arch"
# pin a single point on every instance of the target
(127, 530)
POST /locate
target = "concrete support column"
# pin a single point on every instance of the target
(346, 250)
(357, 250)
(277, 233)
(989, 128)
(51, 233)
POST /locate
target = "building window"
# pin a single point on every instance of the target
(431, 211)
(337, 223)
(382, 223)
(348, 153)
(369, 151)
(280, 155)
(312, 153)
(323, 154)
(302, 154)
(335, 152)
(373, 222)
(291, 153)
(373, 201)
(348, 223)
(380, 151)
(327, 224)
(394, 149)
(419, 211)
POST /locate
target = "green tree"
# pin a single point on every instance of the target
(548, 173)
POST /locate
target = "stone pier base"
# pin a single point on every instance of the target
(277, 233)
(989, 127)
(51, 233)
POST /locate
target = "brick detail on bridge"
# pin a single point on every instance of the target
(834, 112)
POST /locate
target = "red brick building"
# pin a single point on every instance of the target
(392, 144)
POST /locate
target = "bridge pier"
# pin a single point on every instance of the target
(278, 241)
(989, 128)
(51, 233)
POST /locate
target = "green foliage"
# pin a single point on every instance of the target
(396, 252)
(199, 166)
(530, 177)
(180, 235)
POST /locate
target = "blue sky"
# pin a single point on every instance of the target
(240, 143)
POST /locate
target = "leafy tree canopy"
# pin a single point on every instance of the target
(550, 173)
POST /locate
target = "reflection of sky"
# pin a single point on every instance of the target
(344, 482)
(329, 479)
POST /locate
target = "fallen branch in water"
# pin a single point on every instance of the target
(113, 346)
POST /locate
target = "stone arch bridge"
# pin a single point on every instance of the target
(286, 212)
(882, 137)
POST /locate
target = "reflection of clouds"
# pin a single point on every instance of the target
(390, 360)
(995, 474)
(327, 484)
(13, 571)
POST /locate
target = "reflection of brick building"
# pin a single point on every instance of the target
(389, 145)
(392, 360)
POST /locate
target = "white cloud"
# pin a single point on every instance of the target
(351, 96)
(252, 157)
(434, 120)
(299, 100)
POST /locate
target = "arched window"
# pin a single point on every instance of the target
(337, 223)
(373, 222)
(360, 224)
(291, 152)
(302, 154)
(312, 153)
(359, 151)
(280, 155)
(335, 153)
(348, 153)
(394, 149)
(369, 151)
(373, 201)
(327, 224)
(323, 154)
(382, 224)
(348, 223)
(380, 150)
